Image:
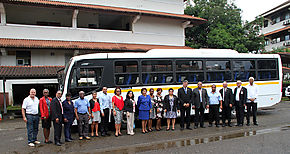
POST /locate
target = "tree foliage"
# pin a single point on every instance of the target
(224, 28)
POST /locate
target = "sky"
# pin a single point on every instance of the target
(252, 8)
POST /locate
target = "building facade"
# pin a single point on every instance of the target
(38, 37)
(276, 27)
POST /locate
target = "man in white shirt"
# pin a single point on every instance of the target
(252, 101)
(31, 117)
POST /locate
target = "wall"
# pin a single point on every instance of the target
(170, 6)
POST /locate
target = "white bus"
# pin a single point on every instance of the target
(167, 68)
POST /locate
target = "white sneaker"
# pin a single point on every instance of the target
(36, 142)
(31, 144)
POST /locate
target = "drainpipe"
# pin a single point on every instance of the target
(4, 96)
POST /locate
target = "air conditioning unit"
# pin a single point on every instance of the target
(286, 43)
(287, 22)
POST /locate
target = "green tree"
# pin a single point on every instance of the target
(224, 28)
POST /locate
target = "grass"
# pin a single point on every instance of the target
(285, 99)
(13, 108)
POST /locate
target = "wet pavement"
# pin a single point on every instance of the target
(271, 136)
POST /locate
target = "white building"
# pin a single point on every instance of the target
(276, 27)
(38, 37)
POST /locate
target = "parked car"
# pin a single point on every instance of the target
(287, 92)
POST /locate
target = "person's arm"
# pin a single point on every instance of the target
(64, 115)
(76, 113)
(23, 114)
(165, 103)
(245, 96)
(150, 104)
(206, 99)
(221, 101)
(231, 98)
(52, 110)
(41, 109)
(179, 96)
(256, 92)
(177, 105)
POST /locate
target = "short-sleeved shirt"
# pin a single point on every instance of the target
(214, 98)
(31, 105)
(82, 105)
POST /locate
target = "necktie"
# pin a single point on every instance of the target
(60, 106)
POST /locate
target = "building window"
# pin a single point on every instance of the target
(23, 58)
(287, 16)
(278, 40)
(266, 23)
(287, 37)
(266, 42)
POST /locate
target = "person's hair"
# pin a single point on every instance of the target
(128, 97)
(68, 95)
(81, 92)
(94, 92)
(151, 89)
(213, 85)
(115, 91)
(170, 89)
(185, 81)
(59, 91)
(143, 90)
(45, 90)
(239, 81)
(159, 89)
(252, 78)
(104, 87)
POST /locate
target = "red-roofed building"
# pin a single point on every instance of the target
(276, 27)
(38, 37)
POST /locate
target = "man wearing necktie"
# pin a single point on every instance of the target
(57, 117)
(228, 98)
(184, 96)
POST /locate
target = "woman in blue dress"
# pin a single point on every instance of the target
(144, 106)
(171, 107)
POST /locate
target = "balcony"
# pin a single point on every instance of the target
(42, 23)
(282, 44)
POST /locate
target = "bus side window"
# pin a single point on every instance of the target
(267, 70)
(126, 73)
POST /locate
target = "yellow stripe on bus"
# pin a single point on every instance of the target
(205, 86)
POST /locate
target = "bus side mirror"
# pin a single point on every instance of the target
(78, 73)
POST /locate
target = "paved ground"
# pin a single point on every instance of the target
(271, 136)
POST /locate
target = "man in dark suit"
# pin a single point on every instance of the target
(200, 102)
(184, 96)
(227, 96)
(240, 96)
(57, 117)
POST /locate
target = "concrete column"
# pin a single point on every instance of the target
(136, 18)
(2, 14)
(75, 18)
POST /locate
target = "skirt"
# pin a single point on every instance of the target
(152, 114)
(171, 115)
(97, 116)
(118, 117)
(144, 114)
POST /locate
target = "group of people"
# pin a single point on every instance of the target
(150, 107)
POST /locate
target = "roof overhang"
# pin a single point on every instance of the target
(46, 3)
(29, 72)
(277, 8)
(277, 31)
(77, 45)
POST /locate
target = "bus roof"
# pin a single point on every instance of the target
(176, 53)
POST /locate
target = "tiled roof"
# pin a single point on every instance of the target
(24, 72)
(277, 31)
(107, 9)
(24, 43)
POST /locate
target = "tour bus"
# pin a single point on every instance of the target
(167, 68)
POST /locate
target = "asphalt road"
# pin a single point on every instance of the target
(271, 136)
